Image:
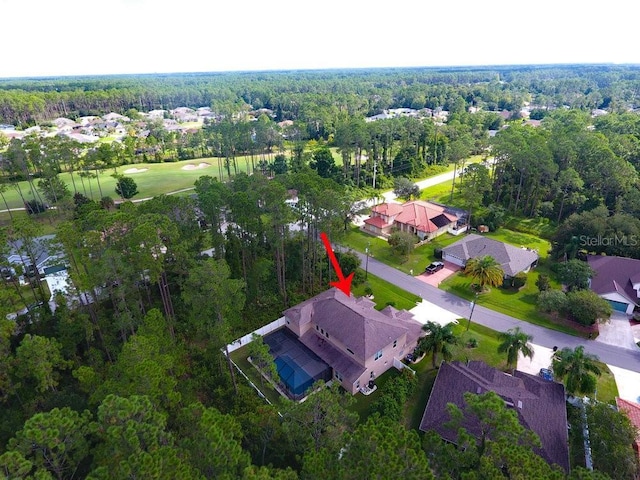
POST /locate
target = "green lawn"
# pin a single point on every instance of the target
(386, 293)
(519, 239)
(240, 358)
(540, 227)
(158, 178)
(381, 251)
(519, 304)
(607, 389)
(362, 404)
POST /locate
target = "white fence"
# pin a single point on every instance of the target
(458, 231)
(399, 365)
(242, 341)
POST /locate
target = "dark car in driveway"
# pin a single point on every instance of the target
(434, 267)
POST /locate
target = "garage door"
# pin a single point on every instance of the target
(618, 306)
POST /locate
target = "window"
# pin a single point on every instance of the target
(371, 376)
(350, 351)
(395, 343)
(338, 376)
(378, 355)
(322, 331)
(317, 327)
(358, 384)
(326, 334)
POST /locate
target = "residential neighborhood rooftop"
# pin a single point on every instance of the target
(615, 274)
(539, 403)
(512, 259)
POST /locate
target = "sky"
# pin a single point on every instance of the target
(90, 37)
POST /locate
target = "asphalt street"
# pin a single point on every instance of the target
(611, 354)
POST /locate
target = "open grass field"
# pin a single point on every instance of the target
(156, 179)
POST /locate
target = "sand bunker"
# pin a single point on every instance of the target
(192, 166)
(135, 170)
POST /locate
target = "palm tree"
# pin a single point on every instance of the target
(485, 270)
(438, 340)
(514, 342)
(575, 368)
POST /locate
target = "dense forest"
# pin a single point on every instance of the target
(132, 382)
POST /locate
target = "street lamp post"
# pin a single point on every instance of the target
(366, 267)
(473, 305)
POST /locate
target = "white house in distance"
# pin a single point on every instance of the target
(512, 260)
(617, 280)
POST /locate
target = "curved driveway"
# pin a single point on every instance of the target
(610, 354)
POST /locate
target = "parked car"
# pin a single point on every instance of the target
(409, 358)
(547, 374)
(434, 267)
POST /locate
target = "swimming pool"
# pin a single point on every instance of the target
(293, 375)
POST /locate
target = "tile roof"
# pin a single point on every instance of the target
(389, 209)
(540, 404)
(511, 259)
(354, 322)
(425, 216)
(632, 409)
(377, 222)
(615, 274)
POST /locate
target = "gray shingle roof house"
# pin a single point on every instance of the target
(539, 403)
(512, 259)
(350, 335)
(617, 280)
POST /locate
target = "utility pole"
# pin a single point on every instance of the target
(473, 306)
(366, 268)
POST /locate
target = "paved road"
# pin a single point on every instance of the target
(613, 355)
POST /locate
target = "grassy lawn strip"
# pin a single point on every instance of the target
(240, 358)
(385, 293)
(607, 389)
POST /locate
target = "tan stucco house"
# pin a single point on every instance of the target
(358, 342)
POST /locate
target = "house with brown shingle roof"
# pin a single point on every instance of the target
(617, 280)
(357, 341)
(539, 403)
(424, 219)
(632, 409)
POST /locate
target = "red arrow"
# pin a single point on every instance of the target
(343, 284)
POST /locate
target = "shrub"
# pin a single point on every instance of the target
(34, 206)
(543, 283)
(126, 187)
(519, 280)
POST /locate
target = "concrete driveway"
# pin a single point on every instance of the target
(617, 332)
(435, 278)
